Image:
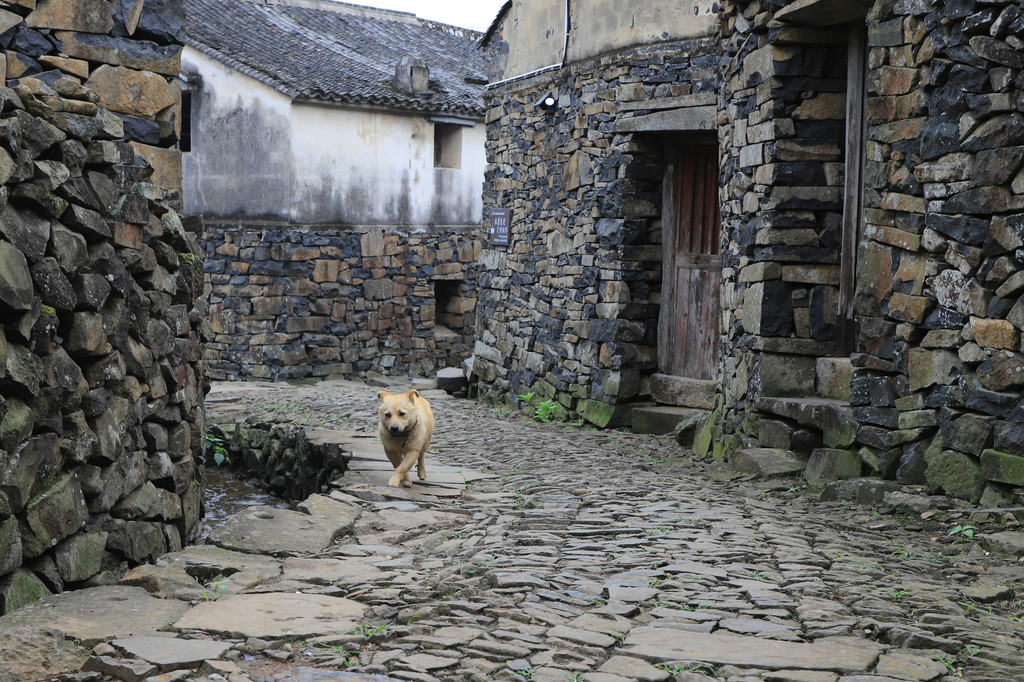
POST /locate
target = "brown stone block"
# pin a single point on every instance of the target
(326, 270)
(88, 16)
(8, 20)
(897, 80)
(827, 105)
(468, 251)
(930, 367)
(269, 305)
(893, 237)
(874, 271)
(372, 244)
(227, 249)
(136, 93)
(166, 165)
(127, 234)
(912, 268)
(292, 252)
(993, 333)
(907, 308)
(239, 267)
(305, 324)
(811, 274)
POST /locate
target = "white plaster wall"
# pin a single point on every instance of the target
(368, 167)
(240, 163)
(257, 155)
(535, 29)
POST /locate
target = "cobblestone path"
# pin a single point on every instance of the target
(607, 556)
(554, 553)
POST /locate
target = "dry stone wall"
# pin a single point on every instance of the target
(782, 138)
(568, 310)
(291, 302)
(937, 363)
(101, 379)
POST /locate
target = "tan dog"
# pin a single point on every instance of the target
(406, 427)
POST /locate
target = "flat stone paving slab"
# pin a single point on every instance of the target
(209, 563)
(27, 653)
(171, 653)
(329, 570)
(274, 615)
(99, 613)
(279, 532)
(317, 675)
(662, 644)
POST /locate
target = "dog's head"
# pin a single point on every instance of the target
(397, 411)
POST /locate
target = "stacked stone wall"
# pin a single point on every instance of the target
(945, 187)
(296, 301)
(937, 367)
(782, 138)
(282, 458)
(101, 379)
(568, 310)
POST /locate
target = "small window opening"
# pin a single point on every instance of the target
(185, 134)
(450, 313)
(447, 145)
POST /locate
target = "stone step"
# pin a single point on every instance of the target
(452, 379)
(661, 419)
(668, 389)
(767, 462)
(834, 418)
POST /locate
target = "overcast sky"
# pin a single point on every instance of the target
(475, 14)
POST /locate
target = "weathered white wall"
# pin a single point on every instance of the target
(534, 30)
(257, 155)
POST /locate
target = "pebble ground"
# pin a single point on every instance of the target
(590, 553)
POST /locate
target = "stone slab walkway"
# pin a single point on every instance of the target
(544, 552)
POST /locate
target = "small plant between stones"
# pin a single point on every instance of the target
(697, 668)
(219, 588)
(543, 411)
(215, 443)
(961, 533)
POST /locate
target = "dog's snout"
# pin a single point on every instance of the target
(395, 429)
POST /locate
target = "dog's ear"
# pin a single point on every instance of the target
(412, 393)
(382, 395)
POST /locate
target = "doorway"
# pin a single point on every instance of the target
(690, 314)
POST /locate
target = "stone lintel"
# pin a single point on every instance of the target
(689, 118)
(824, 12)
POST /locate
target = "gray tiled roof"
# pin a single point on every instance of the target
(338, 52)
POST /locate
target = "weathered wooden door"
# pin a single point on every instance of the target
(688, 325)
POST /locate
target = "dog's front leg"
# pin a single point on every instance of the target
(401, 475)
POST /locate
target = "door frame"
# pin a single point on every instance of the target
(674, 147)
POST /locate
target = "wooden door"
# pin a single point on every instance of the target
(688, 323)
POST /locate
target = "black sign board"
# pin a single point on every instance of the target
(501, 219)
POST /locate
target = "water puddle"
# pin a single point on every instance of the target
(226, 494)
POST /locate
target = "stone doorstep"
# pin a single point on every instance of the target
(767, 462)
(804, 411)
(660, 420)
(683, 391)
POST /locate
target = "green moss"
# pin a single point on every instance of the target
(187, 258)
(48, 310)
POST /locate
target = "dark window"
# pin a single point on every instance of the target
(447, 145)
(185, 135)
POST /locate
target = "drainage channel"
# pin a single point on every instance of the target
(227, 494)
